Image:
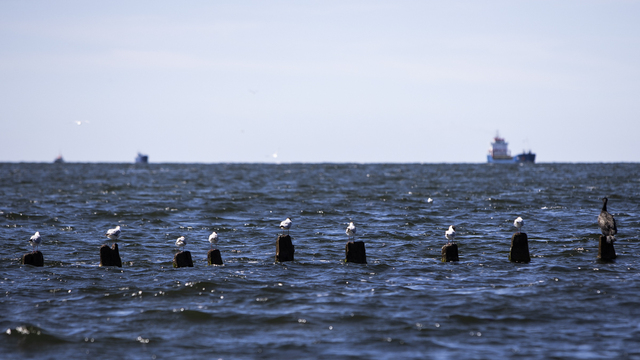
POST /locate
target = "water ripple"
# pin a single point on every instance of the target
(404, 303)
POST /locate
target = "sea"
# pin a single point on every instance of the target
(404, 303)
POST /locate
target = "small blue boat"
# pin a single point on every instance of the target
(142, 159)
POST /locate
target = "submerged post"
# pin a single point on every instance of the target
(450, 252)
(33, 258)
(214, 257)
(284, 248)
(606, 251)
(182, 259)
(519, 252)
(356, 252)
(110, 256)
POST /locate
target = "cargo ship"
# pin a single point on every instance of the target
(142, 159)
(499, 153)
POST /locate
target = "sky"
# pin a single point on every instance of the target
(319, 81)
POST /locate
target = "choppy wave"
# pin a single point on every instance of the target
(404, 303)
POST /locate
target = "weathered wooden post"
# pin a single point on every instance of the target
(450, 252)
(110, 256)
(606, 252)
(356, 252)
(182, 259)
(519, 252)
(214, 257)
(284, 248)
(33, 258)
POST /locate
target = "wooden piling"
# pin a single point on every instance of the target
(519, 252)
(214, 257)
(110, 256)
(33, 258)
(284, 248)
(606, 251)
(182, 259)
(356, 252)
(450, 252)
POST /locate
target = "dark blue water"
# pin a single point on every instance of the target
(405, 303)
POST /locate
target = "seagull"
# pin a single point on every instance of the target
(607, 223)
(286, 224)
(181, 242)
(213, 238)
(518, 223)
(450, 234)
(35, 241)
(113, 234)
(351, 230)
(429, 200)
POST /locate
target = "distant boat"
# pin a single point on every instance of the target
(58, 160)
(499, 153)
(142, 159)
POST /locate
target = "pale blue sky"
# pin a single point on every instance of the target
(319, 81)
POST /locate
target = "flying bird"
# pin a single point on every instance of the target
(35, 241)
(518, 223)
(285, 225)
(181, 242)
(429, 200)
(450, 234)
(213, 238)
(351, 230)
(607, 223)
(113, 234)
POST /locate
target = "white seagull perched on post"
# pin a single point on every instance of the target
(285, 225)
(181, 242)
(213, 238)
(113, 234)
(35, 241)
(518, 223)
(351, 230)
(450, 234)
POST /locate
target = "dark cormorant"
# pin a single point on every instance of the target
(607, 223)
